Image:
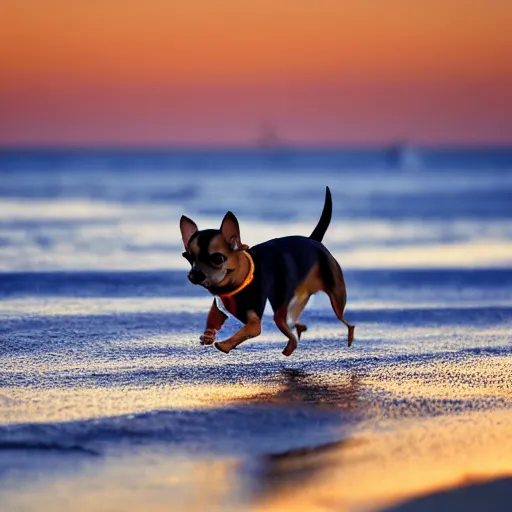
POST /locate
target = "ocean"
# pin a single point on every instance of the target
(109, 402)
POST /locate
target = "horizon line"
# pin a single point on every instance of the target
(292, 147)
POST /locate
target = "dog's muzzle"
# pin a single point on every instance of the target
(196, 276)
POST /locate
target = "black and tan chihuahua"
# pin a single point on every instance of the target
(286, 271)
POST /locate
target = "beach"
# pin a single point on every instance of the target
(109, 402)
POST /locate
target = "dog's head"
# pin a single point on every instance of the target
(212, 253)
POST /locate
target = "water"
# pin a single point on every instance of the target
(120, 210)
(103, 384)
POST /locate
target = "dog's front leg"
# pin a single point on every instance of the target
(214, 322)
(250, 330)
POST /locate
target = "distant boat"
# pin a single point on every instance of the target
(404, 156)
(268, 138)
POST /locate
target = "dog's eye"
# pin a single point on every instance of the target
(189, 257)
(217, 258)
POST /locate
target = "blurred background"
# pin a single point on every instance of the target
(117, 117)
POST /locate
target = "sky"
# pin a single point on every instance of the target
(226, 72)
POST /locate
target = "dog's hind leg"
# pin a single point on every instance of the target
(280, 318)
(288, 315)
(338, 305)
(337, 293)
(294, 310)
(300, 329)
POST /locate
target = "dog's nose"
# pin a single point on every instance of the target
(196, 276)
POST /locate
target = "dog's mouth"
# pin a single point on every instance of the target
(215, 283)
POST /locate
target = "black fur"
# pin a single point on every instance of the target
(204, 238)
(292, 267)
(281, 265)
(325, 218)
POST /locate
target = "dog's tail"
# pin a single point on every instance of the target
(325, 218)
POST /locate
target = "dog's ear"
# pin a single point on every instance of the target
(231, 231)
(187, 227)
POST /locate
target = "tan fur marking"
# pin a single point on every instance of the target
(250, 330)
(194, 247)
(218, 244)
(311, 284)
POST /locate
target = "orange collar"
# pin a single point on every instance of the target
(247, 281)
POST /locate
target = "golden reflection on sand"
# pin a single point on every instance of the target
(397, 452)
(23, 405)
(390, 456)
(375, 470)
(150, 482)
(368, 472)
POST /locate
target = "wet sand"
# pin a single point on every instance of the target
(334, 429)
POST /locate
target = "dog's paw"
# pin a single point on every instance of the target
(290, 348)
(300, 329)
(208, 337)
(223, 346)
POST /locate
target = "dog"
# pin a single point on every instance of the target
(285, 271)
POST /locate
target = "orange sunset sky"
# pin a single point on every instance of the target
(213, 72)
